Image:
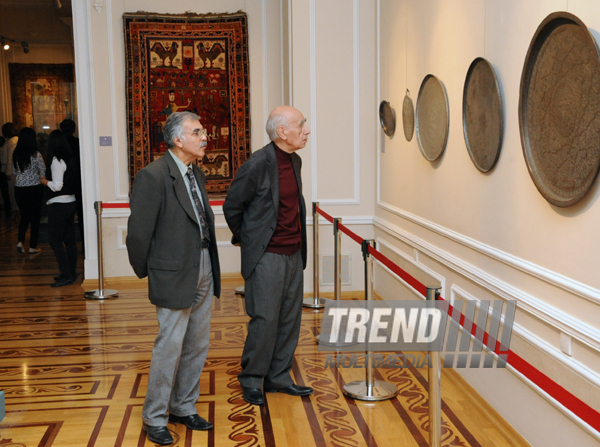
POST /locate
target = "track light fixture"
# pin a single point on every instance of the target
(5, 42)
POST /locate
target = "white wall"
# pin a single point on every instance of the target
(100, 41)
(490, 236)
(316, 56)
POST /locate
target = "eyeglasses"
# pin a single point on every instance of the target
(199, 133)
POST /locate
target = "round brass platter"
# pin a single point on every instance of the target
(559, 109)
(408, 116)
(432, 118)
(387, 117)
(482, 115)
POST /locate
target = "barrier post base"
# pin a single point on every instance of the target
(104, 295)
(380, 391)
(314, 303)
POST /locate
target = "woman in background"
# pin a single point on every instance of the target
(62, 184)
(28, 168)
(9, 131)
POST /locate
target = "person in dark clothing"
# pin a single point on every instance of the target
(266, 213)
(10, 133)
(68, 128)
(62, 185)
(28, 168)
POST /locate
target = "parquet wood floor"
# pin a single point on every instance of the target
(75, 372)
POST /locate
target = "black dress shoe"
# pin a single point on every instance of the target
(253, 396)
(292, 390)
(63, 282)
(193, 422)
(159, 435)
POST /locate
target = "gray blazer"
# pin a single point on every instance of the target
(252, 205)
(163, 235)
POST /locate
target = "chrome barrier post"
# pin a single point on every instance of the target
(337, 260)
(337, 273)
(315, 302)
(435, 386)
(369, 389)
(100, 293)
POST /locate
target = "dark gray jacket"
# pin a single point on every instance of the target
(252, 205)
(163, 235)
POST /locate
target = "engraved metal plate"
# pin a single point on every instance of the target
(387, 117)
(559, 109)
(482, 115)
(432, 118)
(408, 116)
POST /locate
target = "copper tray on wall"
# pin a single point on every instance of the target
(559, 109)
(387, 118)
(483, 124)
(408, 116)
(432, 118)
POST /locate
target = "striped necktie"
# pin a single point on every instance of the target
(199, 207)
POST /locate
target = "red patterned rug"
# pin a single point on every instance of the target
(189, 62)
(42, 95)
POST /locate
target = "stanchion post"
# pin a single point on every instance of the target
(315, 302)
(369, 389)
(100, 293)
(337, 260)
(337, 268)
(435, 385)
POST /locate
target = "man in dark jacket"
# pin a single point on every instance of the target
(266, 213)
(171, 239)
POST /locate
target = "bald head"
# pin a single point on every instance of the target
(287, 128)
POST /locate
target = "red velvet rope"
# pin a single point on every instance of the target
(324, 214)
(572, 403)
(107, 205)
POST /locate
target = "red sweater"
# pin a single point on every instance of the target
(286, 239)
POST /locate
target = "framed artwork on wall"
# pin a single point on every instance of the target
(192, 62)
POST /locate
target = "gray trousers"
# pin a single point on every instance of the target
(273, 295)
(179, 353)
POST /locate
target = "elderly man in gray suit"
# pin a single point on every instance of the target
(266, 213)
(171, 239)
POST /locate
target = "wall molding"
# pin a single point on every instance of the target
(113, 103)
(537, 343)
(552, 316)
(546, 275)
(355, 200)
(86, 105)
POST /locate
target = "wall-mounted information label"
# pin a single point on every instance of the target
(105, 141)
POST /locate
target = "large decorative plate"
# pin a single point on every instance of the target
(482, 115)
(387, 117)
(432, 118)
(559, 109)
(408, 116)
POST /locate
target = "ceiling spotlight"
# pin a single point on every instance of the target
(25, 46)
(56, 4)
(5, 45)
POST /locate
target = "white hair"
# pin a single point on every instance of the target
(273, 123)
(173, 127)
